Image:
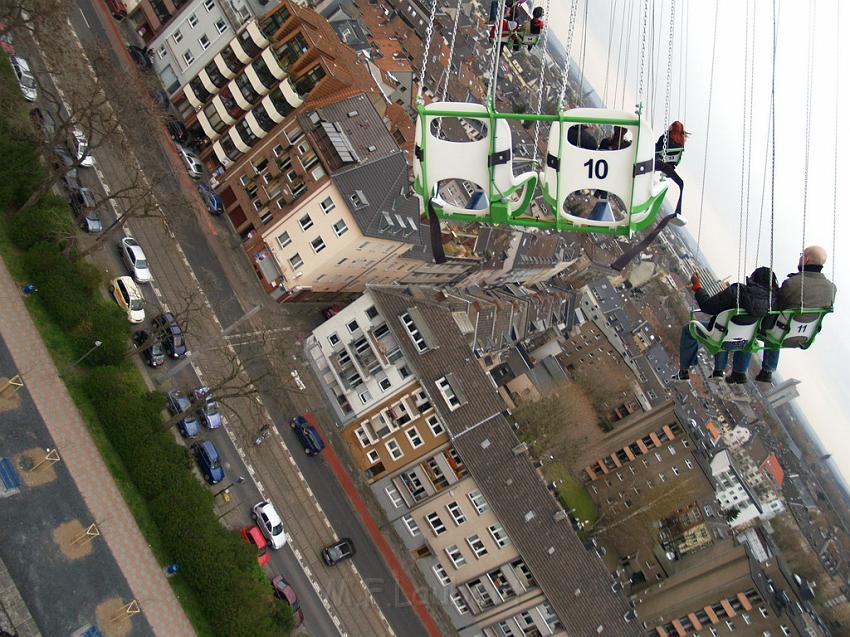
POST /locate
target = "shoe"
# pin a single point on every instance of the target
(682, 375)
(717, 373)
(765, 376)
(736, 378)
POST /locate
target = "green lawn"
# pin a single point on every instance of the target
(571, 492)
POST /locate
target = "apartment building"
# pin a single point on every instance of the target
(725, 590)
(152, 18)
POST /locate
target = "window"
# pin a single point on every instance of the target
(204, 41)
(221, 26)
(294, 134)
(456, 512)
(283, 239)
(477, 545)
(371, 312)
(395, 451)
(352, 326)
(209, 5)
(340, 228)
(435, 425)
(333, 339)
(404, 372)
(192, 20)
(385, 384)
(318, 245)
(327, 205)
(277, 150)
(373, 457)
(414, 438)
(359, 199)
(498, 534)
(413, 332)
(395, 498)
(305, 222)
(436, 523)
(188, 57)
(411, 525)
(441, 574)
(460, 604)
(296, 261)
(478, 502)
(455, 556)
(452, 401)
(162, 52)
(177, 36)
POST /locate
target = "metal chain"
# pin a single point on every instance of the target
(772, 149)
(743, 153)
(451, 54)
(642, 57)
(809, 88)
(669, 90)
(429, 33)
(565, 78)
(749, 140)
(708, 123)
(610, 43)
(836, 84)
(540, 82)
(496, 52)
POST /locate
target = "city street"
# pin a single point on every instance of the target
(201, 274)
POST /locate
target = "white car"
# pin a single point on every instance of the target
(79, 146)
(129, 298)
(193, 164)
(270, 524)
(134, 259)
(25, 78)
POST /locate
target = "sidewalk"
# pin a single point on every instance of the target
(82, 458)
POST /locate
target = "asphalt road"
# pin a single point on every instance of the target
(214, 254)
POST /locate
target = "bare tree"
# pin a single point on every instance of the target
(604, 381)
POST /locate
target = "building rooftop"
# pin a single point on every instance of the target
(577, 586)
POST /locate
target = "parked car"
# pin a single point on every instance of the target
(193, 164)
(83, 206)
(26, 81)
(79, 147)
(307, 436)
(129, 298)
(62, 160)
(171, 335)
(331, 311)
(209, 461)
(270, 523)
(214, 203)
(7, 43)
(286, 593)
(253, 535)
(178, 132)
(117, 9)
(153, 352)
(45, 122)
(207, 407)
(140, 56)
(134, 259)
(338, 551)
(188, 425)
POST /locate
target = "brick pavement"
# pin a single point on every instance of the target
(82, 458)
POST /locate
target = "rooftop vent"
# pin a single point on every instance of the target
(314, 117)
(551, 550)
(529, 516)
(577, 592)
(352, 113)
(485, 443)
(560, 515)
(520, 449)
(600, 629)
(372, 149)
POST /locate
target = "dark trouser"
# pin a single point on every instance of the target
(769, 360)
(670, 171)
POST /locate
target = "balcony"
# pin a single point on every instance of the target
(249, 43)
(272, 24)
(226, 151)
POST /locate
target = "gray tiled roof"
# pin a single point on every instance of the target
(387, 212)
(574, 581)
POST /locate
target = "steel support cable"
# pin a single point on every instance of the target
(565, 76)
(540, 78)
(428, 35)
(610, 44)
(627, 54)
(836, 84)
(669, 80)
(583, 53)
(743, 155)
(445, 91)
(749, 129)
(772, 145)
(810, 72)
(708, 125)
(496, 53)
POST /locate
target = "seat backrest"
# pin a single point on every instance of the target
(795, 328)
(726, 331)
(626, 173)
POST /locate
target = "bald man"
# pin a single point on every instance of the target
(808, 287)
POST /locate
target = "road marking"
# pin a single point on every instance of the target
(88, 26)
(245, 316)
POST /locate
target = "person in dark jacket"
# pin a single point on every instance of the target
(752, 297)
(666, 162)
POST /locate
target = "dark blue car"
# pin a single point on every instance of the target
(178, 404)
(209, 461)
(214, 203)
(307, 436)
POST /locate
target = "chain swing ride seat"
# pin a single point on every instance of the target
(794, 328)
(731, 329)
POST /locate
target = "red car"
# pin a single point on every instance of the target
(252, 535)
(286, 593)
(331, 311)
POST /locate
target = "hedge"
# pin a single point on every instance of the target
(221, 569)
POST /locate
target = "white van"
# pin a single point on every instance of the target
(79, 147)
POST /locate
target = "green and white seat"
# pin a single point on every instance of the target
(733, 328)
(794, 328)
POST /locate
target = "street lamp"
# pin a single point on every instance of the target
(94, 347)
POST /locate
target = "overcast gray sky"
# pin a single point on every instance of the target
(822, 369)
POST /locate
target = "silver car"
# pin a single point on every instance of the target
(193, 164)
(134, 259)
(25, 78)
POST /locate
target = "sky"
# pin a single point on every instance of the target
(717, 213)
